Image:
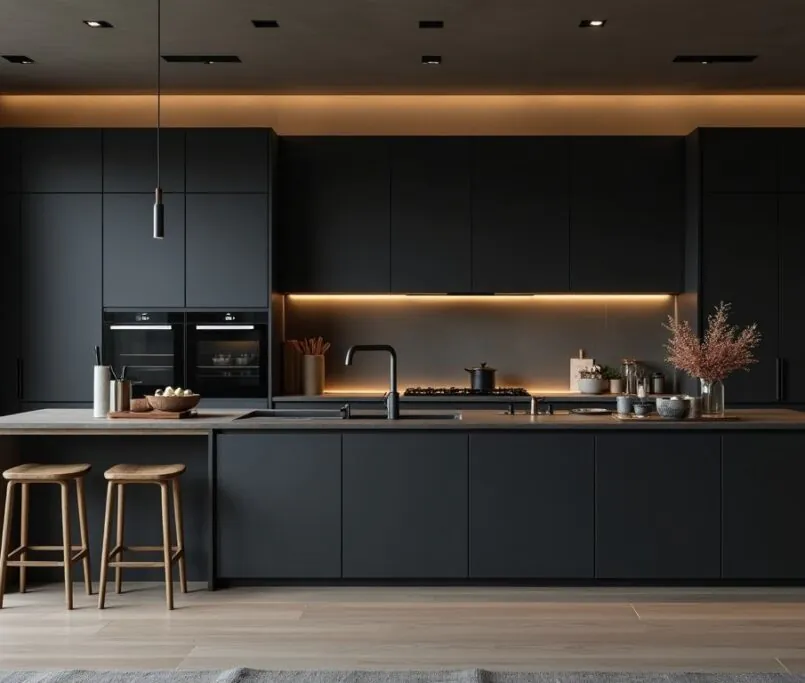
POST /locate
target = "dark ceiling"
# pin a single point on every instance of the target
(376, 46)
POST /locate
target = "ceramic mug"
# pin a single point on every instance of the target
(624, 405)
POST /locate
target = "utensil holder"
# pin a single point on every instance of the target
(100, 390)
(312, 375)
(119, 396)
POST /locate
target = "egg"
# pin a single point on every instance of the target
(158, 392)
(178, 391)
(167, 389)
(187, 392)
(168, 392)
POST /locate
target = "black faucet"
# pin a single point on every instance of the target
(392, 398)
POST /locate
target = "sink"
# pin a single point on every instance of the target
(294, 414)
(405, 416)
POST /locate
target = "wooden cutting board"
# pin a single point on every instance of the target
(577, 364)
(153, 415)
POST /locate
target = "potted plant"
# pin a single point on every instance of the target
(724, 349)
(613, 375)
(591, 381)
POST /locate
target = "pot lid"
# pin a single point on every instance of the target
(481, 368)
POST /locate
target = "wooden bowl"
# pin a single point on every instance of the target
(173, 404)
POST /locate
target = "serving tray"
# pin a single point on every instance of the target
(153, 415)
(656, 418)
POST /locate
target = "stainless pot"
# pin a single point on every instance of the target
(482, 378)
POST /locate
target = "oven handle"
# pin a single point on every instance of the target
(224, 327)
(141, 327)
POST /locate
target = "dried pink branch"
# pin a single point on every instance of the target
(724, 349)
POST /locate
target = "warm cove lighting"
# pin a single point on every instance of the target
(525, 298)
(380, 391)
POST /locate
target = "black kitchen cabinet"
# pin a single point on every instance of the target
(532, 506)
(520, 214)
(227, 160)
(791, 210)
(740, 265)
(763, 507)
(9, 313)
(430, 215)
(627, 214)
(405, 505)
(10, 143)
(61, 278)
(61, 160)
(739, 159)
(335, 226)
(658, 506)
(226, 250)
(139, 271)
(791, 159)
(279, 506)
(130, 160)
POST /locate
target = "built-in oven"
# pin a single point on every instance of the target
(150, 345)
(227, 354)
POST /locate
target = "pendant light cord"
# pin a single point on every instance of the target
(159, 80)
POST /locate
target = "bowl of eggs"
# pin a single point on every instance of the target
(170, 400)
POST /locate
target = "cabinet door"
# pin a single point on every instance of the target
(10, 155)
(227, 250)
(740, 266)
(791, 209)
(130, 160)
(430, 215)
(532, 506)
(739, 159)
(9, 315)
(227, 160)
(334, 204)
(405, 505)
(520, 215)
(658, 506)
(61, 294)
(764, 510)
(62, 160)
(627, 215)
(279, 506)
(139, 271)
(791, 159)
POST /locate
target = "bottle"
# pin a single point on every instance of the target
(629, 372)
(657, 383)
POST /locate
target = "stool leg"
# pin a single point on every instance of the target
(82, 527)
(68, 552)
(119, 535)
(177, 519)
(24, 508)
(166, 545)
(107, 525)
(6, 540)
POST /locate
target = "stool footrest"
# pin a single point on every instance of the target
(80, 555)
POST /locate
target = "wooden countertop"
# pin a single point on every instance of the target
(80, 421)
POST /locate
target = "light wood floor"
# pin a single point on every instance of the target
(744, 629)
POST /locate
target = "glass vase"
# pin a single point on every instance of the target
(712, 398)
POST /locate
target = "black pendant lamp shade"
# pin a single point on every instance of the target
(159, 207)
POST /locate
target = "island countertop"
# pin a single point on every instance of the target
(80, 421)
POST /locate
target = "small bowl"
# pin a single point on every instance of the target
(675, 408)
(593, 386)
(173, 404)
(641, 409)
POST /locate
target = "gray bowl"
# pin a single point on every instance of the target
(672, 408)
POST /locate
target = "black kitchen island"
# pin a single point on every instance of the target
(485, 498)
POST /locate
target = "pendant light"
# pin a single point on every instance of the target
(159, 207)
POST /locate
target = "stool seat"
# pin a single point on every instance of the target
(143, 472)
(32, 472)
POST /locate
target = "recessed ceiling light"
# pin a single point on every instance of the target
(431, 59)
(431, 23)
(18, 59)
(97, 23)
(265, 23)
(592, 23)
(202, 59)
(714, 59)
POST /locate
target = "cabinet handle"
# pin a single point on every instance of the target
(19, 380)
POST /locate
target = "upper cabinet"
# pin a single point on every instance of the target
(130, 160)
(627, 214)
(226, 250)
(62, 160)
(520, 215)
(431, 248)
(334, 223)
(227, 160)
(739, 159)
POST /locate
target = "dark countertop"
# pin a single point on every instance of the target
(378, 398)
(80, 421)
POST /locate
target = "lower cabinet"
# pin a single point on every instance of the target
(405, 505)
(658, 506)
(764, 507)
(532, 507)
(279, 506)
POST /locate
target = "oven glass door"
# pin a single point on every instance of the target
(228, 361)
(151, 352)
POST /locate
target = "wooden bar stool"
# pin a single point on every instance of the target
(23, 476)
(164, 476)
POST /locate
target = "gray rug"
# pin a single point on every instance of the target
(476, 676)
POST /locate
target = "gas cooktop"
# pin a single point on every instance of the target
(461, 391)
